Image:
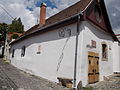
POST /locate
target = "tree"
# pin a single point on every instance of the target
(3, 30)
(16, 26)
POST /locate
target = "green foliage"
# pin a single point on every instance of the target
(16, 26)
(3, 29)
(14, 36)
(87, 88)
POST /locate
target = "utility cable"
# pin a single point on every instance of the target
(7, 12)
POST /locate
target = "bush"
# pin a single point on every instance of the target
(14, 36)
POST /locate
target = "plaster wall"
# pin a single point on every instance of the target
(90, 32)
(116, 55)
(119, 57)
(56, 58)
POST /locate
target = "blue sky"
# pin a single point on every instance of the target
(28, 10)
(37, 4)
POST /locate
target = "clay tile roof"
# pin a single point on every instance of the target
(68, 12)
(31, 29)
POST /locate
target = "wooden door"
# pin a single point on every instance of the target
(93, 67)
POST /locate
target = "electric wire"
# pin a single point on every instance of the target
(7, 12)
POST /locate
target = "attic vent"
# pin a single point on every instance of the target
(98, 13)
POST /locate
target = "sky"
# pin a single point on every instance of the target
(28, 11)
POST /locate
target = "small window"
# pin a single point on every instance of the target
(13, 52)
(23, 51)
(39, 49)
(104, 52)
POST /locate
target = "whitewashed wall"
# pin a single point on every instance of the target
(119, 57)
(116, 57)
(87, 34)
(45, 64)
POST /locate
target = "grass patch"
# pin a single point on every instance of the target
(87, 88)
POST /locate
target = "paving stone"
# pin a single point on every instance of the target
(112, 83)
(19, 80)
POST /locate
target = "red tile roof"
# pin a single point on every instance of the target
(31, 29)
(68, 12)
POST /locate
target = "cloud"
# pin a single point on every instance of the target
(51, 11)
(17, 8)
(113, 8)
(20, 10)
(62, 4)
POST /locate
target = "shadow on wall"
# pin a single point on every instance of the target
(101, 34)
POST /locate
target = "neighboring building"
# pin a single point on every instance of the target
(4, 45)
(11, 34)
(77, 43)
(118, 36)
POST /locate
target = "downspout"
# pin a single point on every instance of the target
(76, 50)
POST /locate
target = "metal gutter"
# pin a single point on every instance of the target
(76, 45)
(76, 50)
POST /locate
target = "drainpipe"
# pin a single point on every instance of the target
(76, 50)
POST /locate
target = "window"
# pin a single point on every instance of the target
(39, 49)
(104, 51)
(13, 52)
(23, 51)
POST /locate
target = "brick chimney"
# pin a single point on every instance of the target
(42, 14)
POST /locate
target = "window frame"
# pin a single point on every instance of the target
(105, 48)
(13, 53)
(23, 49)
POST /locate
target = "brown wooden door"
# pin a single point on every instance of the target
(93, 67)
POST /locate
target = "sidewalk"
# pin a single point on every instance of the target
(11, 77)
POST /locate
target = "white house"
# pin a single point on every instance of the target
(77, 43)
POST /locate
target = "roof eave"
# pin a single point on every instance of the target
(46, 27)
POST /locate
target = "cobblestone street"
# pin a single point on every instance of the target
(5, 81)
(12, 78)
